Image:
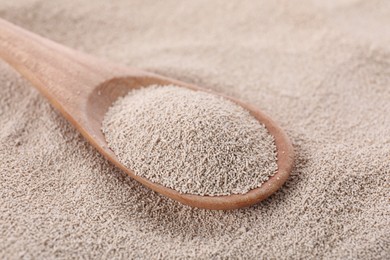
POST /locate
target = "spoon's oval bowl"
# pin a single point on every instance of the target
(105, 94)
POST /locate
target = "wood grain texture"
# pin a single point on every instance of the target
(83, 87)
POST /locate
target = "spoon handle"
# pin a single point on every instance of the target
(64, 76)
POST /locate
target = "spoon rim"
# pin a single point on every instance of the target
(284, 154)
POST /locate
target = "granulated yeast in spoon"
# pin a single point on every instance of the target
(190, 141)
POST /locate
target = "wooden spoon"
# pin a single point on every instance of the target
(82, 88)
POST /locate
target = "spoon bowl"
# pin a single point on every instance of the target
(83, 87)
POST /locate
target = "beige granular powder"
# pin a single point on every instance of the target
(319, 68)
(190, 141)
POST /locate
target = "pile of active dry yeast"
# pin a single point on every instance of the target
(190, 141)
